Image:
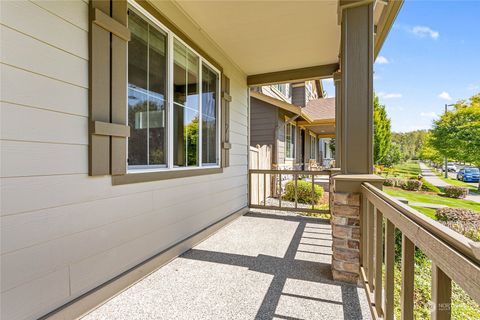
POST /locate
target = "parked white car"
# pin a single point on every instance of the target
(451, 167)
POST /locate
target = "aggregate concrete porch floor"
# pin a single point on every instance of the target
(261, 266)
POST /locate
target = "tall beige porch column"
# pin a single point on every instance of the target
(356, 64)
(354, 84)
(337, 80)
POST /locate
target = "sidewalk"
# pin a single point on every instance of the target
(436, 181)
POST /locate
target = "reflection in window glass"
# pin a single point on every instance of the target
(147, 74)
(209, 115)
(185, 106)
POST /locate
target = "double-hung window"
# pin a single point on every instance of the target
(173, 100)
(290, 137)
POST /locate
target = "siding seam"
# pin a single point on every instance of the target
(44, 42)
(46, 142)
(43, 109)
(43, 75)
(58, 16)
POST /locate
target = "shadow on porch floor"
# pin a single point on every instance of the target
(262, 266)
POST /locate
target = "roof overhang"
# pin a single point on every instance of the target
(283, 41)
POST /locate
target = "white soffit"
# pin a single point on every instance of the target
(269, 36)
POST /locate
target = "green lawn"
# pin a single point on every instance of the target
(426, 211)
(404, 170)
(432, 198)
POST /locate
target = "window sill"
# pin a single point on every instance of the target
(139, 177)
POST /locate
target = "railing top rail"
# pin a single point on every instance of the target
(463, 244)
(285, 171)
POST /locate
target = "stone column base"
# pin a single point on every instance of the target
(346, 237)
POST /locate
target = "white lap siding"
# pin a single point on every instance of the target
(63, 232)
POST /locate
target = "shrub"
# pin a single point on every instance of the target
(427, 186)
(457, 214)
(390, 182)
(412, 185)
(304, 192)
(464, 221)
(400, 182)
(468, 229)
(456, 192)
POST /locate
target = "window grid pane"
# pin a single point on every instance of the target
(209, 115)
(186, 106)
(137, 91)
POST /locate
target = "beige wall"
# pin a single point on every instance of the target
(62, 232)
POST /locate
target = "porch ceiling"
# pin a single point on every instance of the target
(327, 130)
(264, 37)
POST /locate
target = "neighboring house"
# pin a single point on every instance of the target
(295, 122)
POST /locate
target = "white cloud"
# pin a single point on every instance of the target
(445, 96)
(382, 60)
(385, 95)
(428, 114)
(328, 80)
(473, 87)
(422, 32)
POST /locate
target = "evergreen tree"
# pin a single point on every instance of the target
(382, 136)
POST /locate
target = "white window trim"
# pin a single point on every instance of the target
(171, 36)
(294, 124)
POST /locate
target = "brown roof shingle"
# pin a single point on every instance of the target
(320, 109)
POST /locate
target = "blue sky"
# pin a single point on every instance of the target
(431, 57)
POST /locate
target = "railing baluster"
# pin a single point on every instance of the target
(441, 294)
(249, 188)
(388, 310)
(378, 261)
(363, 234)
(295, 176)
(258, 188)
(313, 191)
(408, 274)
(264, 189)
(279, 190)
(371, 210)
